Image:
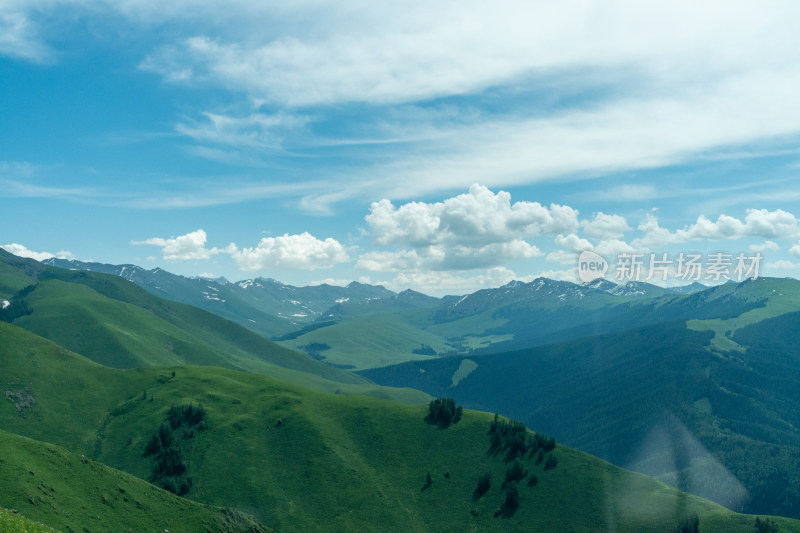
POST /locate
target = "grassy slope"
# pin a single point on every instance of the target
(62, 490)
(125, 327)
(619, 396)
(300, 460)
(783, 297)
(12, 522)
(391, 339)
(12, 280)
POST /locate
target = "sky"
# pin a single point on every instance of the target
(438, 146)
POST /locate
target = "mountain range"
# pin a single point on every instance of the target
(171, 380)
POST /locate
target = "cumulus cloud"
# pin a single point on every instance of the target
(766, 246)
(571, 245)
(185, 247)
(611, 248)
(22, 251)
(757, 223)
(303, 251)
(605, 226)
(448, 257)
(783, 264)
(473, 230)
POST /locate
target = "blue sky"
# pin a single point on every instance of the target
(443, 146)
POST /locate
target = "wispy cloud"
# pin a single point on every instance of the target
(23, 251)
(185, 247)
(257, 130)
(19, 36)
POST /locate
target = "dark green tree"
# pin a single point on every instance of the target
(689, 525)
(512, 498)
(443, 411)
(484, 482)
(766, 526)
(516, 472)
(428, 481)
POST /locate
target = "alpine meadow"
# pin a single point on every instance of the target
(401, 267)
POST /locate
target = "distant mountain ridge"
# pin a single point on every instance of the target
(363, 326)
(274, 309)
(601, 365)
(700, 389)
(263, 305)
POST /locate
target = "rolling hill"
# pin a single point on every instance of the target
(265, 306)
(116, 323)
(69, 492)
(363, 326)
(296, 459)
(707, 404)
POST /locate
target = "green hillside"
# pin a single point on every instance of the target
(15, 273)
(523, 315)
(300, 460)
(12, 522)
(391, 338)
(118, 324)
(72, 493)
(657, 399)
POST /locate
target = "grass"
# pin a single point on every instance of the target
(391, 340)
(783, 297)
(296, 459)
(72, 493)
(126, 327)
(12, 280)
(465, 368)
(12, 522)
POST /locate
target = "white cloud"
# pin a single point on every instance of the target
(766, 246)
(448, 257)
(783, 264)
(795, 250)
(569, 274)
(571, 246)
(474, 230)
(757, 223)
(185, 247)
(443, 283)
(605, 226)
(303, 251)
(378, 52)
(726, 79)
(331, 281)
(611, 248)
(654, 235)
(573, 243)
(257, 130)
(22, 251)
(19, 36)
(479, 216)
